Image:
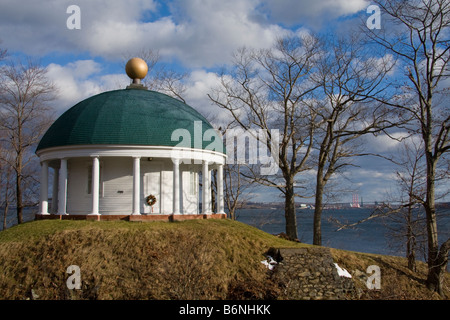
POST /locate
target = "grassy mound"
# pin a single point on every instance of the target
(197, 259)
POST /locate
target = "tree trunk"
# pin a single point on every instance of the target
(434, 281)
(213, 199)
(19, 202)
(436, 273)
(6, 202)
(232, 213)
(19, 167)
(410, 248)
(289, 210)
(5, 214)
(317, 236)
(410, 236)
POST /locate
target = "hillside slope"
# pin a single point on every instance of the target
(198, 259)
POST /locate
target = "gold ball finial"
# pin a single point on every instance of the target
(136, 68)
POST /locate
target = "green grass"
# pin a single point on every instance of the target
(196, 259)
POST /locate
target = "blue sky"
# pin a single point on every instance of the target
(196, 36)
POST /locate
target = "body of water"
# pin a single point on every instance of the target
(371, 236)
(11, 220)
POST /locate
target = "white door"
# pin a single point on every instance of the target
(151, 181)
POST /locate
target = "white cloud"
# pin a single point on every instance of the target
(383, 143)
(213, 29)
(198, 33)
(39, 27)
(198, 85)
(315, 13)
(79, 80)
(201, 82)
(114, 81)
(367, 174)
(83, 68)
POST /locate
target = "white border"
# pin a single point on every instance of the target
(76, 151)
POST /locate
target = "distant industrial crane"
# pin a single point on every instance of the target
(355, 201)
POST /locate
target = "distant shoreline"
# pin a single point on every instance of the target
(337, 205)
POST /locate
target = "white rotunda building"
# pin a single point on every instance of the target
(131, 154)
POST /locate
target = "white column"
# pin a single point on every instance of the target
(44, 188)
(210, 172)
(95, 184)
(176, 186)
(55, 191)
(206, 190)
(220, 197)
(136, 185)
(62, 193)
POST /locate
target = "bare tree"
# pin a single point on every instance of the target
(407, 224)
(418, 37)
(5, 171)
(3, 53)
(265, 90)
(169, 82)
(25, 93)
(348, 77)
(235, 185)
(6, 183)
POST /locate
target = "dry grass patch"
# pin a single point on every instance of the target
(198, 259)
(121, 260)
(397, 281)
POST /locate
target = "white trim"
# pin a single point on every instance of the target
(44, 188)
(62, 196)
(206, 188)
(176, 186)
(136, 185)
(220, 196)
(95, 184)
(55, 190)
(76, 151)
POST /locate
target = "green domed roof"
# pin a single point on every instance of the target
(125, 117)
